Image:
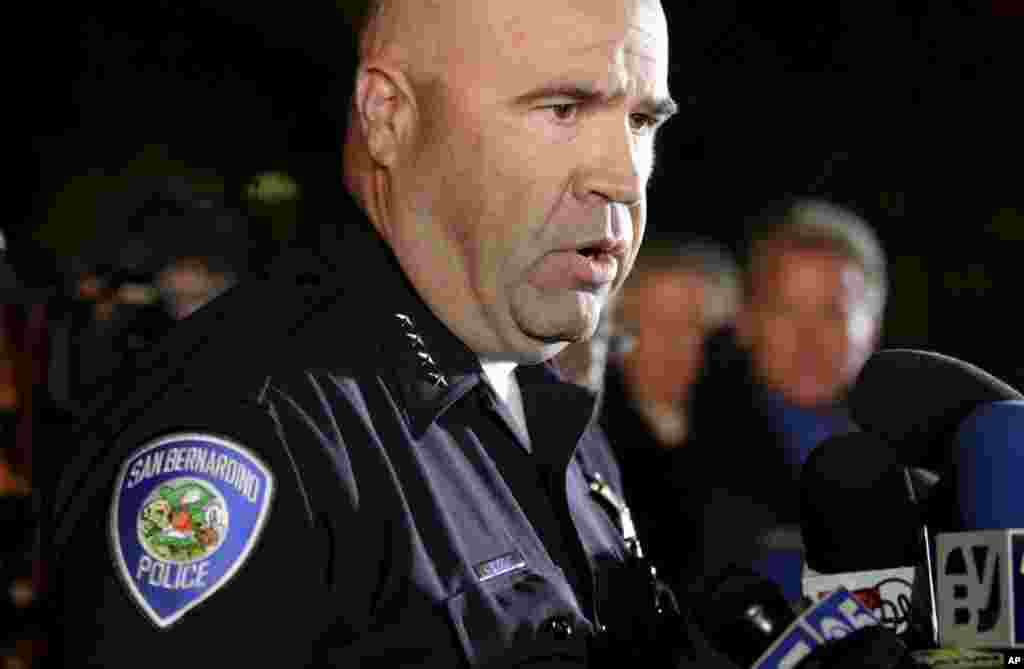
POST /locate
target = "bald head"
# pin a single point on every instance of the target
(404, 33)
(503, 149)
(422, 45)
(426, 37)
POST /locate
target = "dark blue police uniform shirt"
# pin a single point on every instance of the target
(409, 526)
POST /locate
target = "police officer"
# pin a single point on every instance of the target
(363, 460)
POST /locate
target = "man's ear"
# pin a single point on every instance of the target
(385, 110)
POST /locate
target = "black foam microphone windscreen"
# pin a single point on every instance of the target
(856, 511)
(915, 400)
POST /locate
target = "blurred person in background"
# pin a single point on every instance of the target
(188, 283)
(814, 296)
(9, 392)
(678, 296)
(21, 319)
(24, 410)
(177, 252)
(814, 292)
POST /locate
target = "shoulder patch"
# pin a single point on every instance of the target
(186, 512)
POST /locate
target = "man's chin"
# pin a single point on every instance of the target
(561, 334)
(568, 321)
(534, 352)
(812, 396)
(536, 346)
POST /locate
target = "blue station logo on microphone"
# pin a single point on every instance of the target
(186, 512)
(834, 617)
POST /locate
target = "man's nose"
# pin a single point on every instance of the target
(616, 169)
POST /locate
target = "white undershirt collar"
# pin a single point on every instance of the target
(501, 376)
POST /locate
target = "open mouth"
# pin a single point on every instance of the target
(599, 265)
(590, 266)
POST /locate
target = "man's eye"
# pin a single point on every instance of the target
(642, 122)
(565, 112)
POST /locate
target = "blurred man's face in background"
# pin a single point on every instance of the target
(187, 284)
(665, 314)
(807, 325)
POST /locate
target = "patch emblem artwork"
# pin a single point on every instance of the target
(187, 511)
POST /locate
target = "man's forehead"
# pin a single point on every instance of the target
(503, 45)
(668, 287)
(580, 25)
(807, 272)
(611, 47)
(812, 261)
(571, 27)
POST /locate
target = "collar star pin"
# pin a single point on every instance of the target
(437, 379)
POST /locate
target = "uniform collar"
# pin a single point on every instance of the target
(429, 367)
(545, 393)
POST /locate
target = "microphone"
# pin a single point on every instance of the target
(987, 467)
(863, 530)
(981, 566)
(748, 620)
(856, 513)
(910, 404)
(916, 400)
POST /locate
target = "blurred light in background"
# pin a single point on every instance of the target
(272, 188)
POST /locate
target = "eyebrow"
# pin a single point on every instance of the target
(663, 108)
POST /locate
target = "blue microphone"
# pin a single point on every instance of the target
(980, 570)
(989, 452)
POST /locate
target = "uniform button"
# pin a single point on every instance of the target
(560, 628)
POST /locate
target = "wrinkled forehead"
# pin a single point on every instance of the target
(541, 36)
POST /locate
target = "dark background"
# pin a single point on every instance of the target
(904, 116)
